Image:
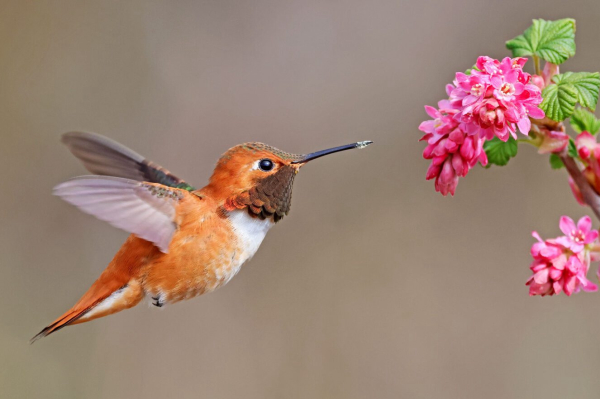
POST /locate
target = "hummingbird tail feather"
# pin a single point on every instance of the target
(95, 304)
(63, 321)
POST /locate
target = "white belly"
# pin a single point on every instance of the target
(250, 232)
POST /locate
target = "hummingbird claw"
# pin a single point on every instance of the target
(157, 302)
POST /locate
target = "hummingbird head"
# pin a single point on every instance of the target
(259, 177)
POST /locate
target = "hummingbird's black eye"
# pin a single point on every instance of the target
(265, 165)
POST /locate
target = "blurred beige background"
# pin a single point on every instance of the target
(375, 286)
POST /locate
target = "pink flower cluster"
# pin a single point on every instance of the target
(561, 264)
(495, 99)
(452, 151)
(589, 153)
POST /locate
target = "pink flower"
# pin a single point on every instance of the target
(587, 146)
(549, 251)
(496, 99)
(552, 141)
(442, 124)
(576, 237)
(452, 152)
(548, 73)
(557, 269)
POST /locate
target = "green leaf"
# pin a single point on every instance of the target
(470, 70)
(556, 162)
(583, 120)
(559, 101)
(569, 88)
(572, 151)
(500, 152)
(587, 85)
(553, 41)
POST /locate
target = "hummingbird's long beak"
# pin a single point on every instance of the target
(319, 154)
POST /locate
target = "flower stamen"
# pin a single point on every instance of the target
(507, 89)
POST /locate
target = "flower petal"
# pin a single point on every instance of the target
(536, 235)
(524, 125)
(566, 224)
(587, 285)
(536, 113)
(541, 277)
(591, 236)
(584, 224)
(570, 285)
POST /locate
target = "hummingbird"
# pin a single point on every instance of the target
(184, 241)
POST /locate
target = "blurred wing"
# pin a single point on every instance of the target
(144, 209)
(103, 156)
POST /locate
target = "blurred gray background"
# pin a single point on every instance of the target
(375, 286)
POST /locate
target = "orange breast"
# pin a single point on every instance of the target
(203, 255)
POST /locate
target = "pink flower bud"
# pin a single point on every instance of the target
(586, 145)
(584, 152)
(538, 81)
(447, 179)
(452, 152)
(451, 146)
(553, 141)
(549, 71)
(467, 150)
(432, 172)
(459, 166)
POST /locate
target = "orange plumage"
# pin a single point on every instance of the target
(184, 242)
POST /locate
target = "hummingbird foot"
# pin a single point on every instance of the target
(158, 302)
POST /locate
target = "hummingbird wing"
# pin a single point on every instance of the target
(103, 156)
(145, 209)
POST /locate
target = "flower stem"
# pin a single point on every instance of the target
(527, 141)
(536, 64)
(589, 195)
